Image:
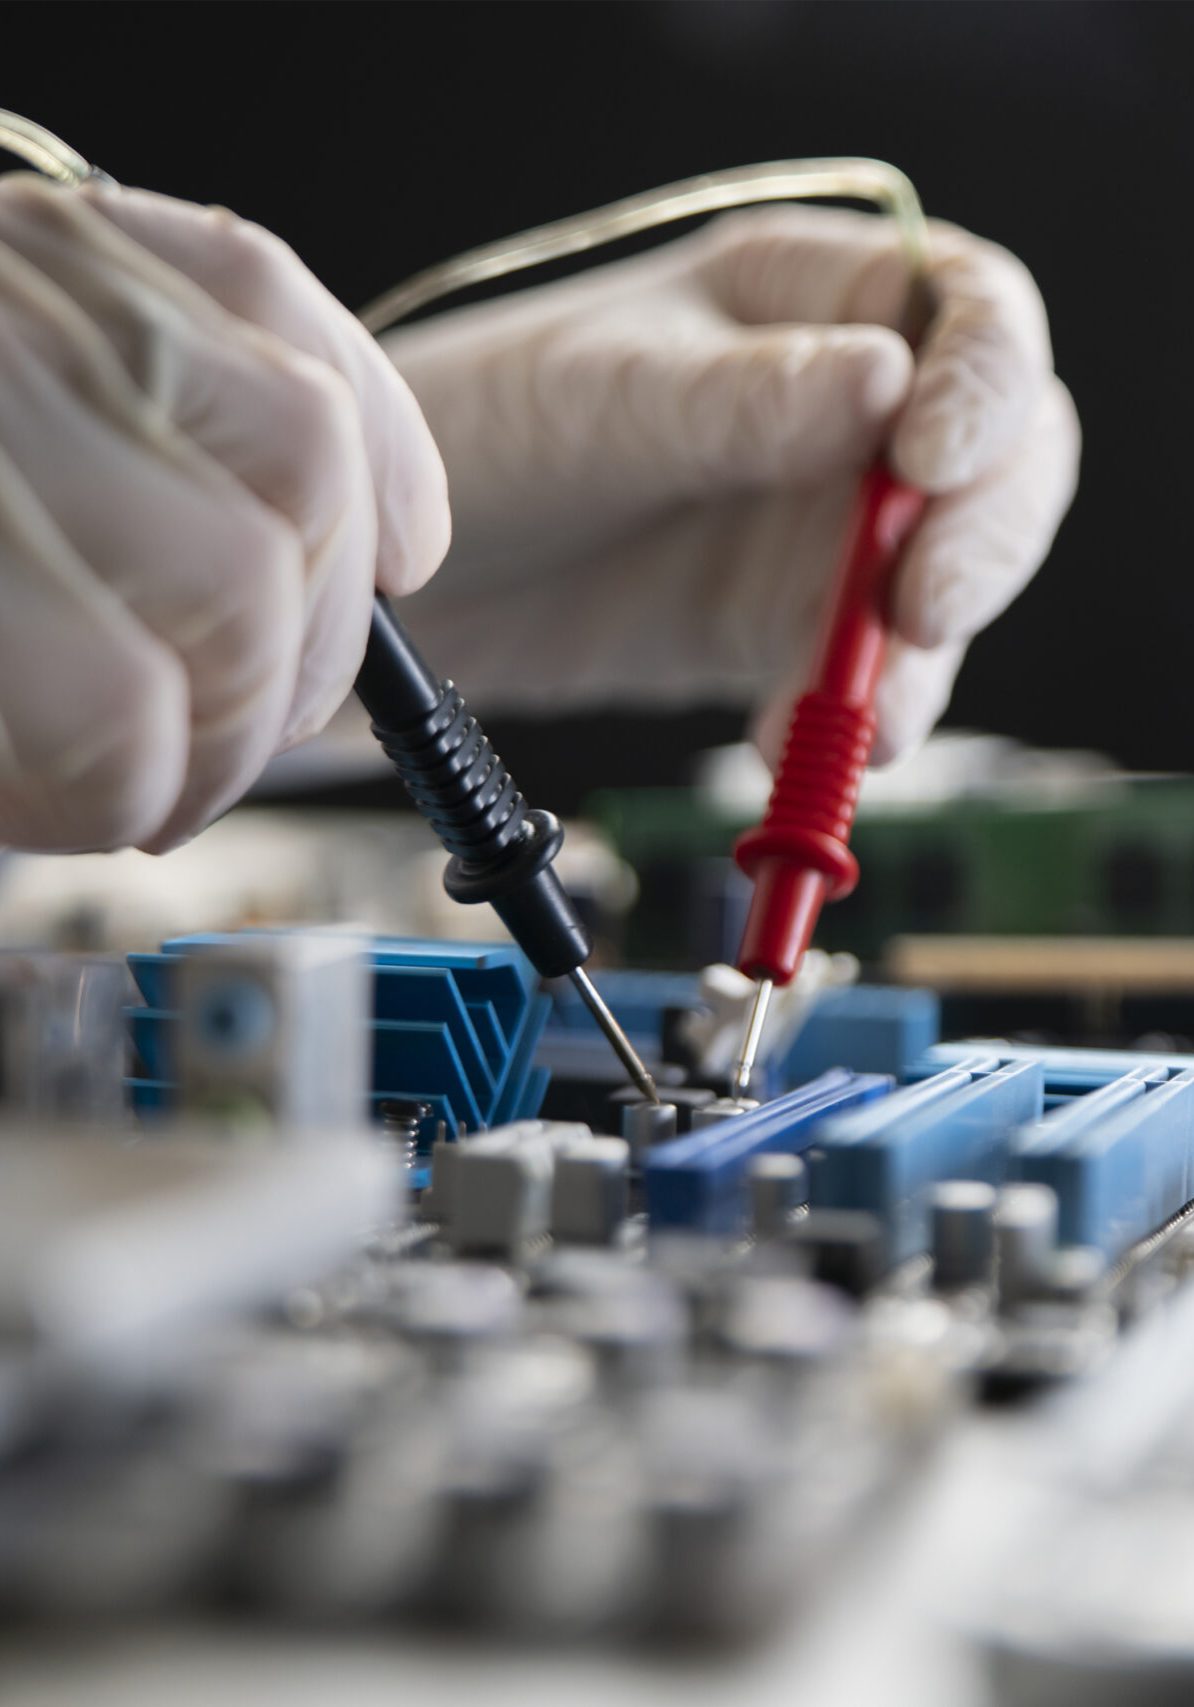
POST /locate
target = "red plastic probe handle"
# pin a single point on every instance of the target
(799, 857)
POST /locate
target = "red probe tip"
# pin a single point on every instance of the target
(783, 915)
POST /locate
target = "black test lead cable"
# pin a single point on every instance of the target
(501, 850)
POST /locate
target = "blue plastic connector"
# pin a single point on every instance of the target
(955, 1125)
(1120, 1159)
(698, 1182)
(869, 1028)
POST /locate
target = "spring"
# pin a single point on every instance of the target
(401, 1121)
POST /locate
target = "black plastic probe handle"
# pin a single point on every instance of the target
(501, 850)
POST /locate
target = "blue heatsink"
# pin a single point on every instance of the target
(455, 1025)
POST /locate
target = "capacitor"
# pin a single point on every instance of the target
(721, 1108)
(962, 1235)
(1025, 1240)
(778, 1185)
(647, 1123)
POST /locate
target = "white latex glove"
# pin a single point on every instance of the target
(650, 466)
(204, 461)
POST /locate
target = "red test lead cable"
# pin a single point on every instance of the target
(799, 856)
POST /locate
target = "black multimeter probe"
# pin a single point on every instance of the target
(501, 850)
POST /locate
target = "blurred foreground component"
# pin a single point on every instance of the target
(62, 1042)
(275, 1027)
(112, 1253)
(1087, 1599)
(349, 1420)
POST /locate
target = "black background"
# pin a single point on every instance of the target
(379, 137)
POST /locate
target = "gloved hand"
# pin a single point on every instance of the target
(650, 466)
(204, 461)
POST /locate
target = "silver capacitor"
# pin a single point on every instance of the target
(962, 1233)
(778, 1185)
(647, 1123)
(1025, 1241)
(724, 1108)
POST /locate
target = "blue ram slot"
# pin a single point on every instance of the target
(955, 1125)
(698, 1182)
(1121, 1159)
(1068, 1072)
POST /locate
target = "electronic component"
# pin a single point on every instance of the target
(589, 1190)
(62, 1036)
(647, 1123)
(452, 1026)
(274, 1027)
(685, 1102)
(843, 1248)
(868, 1028)
(778, 1187)
(962, 1233)
(1119, 1162)
(113, 1255)
(1025, 1228)
(699, 1182)
(501, 1187)
(721, 1108)
(884, 1159)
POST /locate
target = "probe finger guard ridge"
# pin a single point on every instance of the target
(456, 780)
(815, 796)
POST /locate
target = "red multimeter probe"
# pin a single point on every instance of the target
(799, 856)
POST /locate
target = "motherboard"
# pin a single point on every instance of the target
(346, 1284)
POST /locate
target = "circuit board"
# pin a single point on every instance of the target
(385, 1303)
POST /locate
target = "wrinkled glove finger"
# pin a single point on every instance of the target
(283, 423)
(981, 370)
(206, 568)
(258, 278)
(976, 549)
(697, 609)
(94, 735)
(724, 409)
(983, 361)
(913, 694)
